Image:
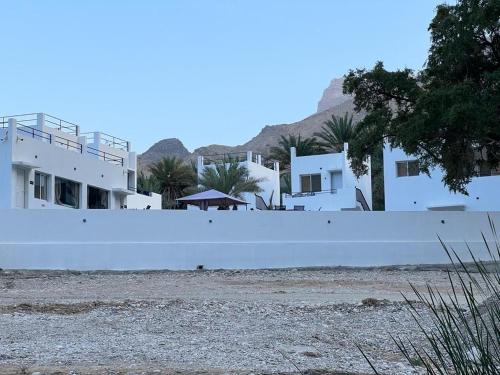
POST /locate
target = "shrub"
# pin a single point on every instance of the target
(464, 338)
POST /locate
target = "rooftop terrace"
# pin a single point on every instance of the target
(62, 133)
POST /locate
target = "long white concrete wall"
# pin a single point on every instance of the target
(146, 239)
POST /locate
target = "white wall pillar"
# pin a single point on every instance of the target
(249, 155)
(83, 141)
(294, 178)
(131, 163)
(83, 195)
(200, 166)
(11, 176)
(97, 139)
(51, 189)
(30, 188)
(12, 134)
(40, 121)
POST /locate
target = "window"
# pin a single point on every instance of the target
(41, 186)
(97, 198)
(407, 168)
(310, 183)
(67, 193)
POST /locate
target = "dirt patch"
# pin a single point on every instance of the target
(58, 308)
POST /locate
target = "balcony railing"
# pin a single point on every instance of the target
(224, 158)
(27, 119)
(62, 125)
(310, 193)
(50, 138)
(106, 156)
(107, 140)
(31, 120)
(28, 124)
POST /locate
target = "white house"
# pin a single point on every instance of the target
(327, 183)
(46, 162)
(257, 168)
(406, 189)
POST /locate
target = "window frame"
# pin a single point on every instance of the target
(411, 168)
(38, 187)
(108, 195)
(78, 192)
(309, 178)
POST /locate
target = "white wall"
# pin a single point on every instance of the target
(420, 193)
(5, 170)
(69, 164)
(326, 200)
(165, 239)
(270, 185)
(141, 201)
(55, 160)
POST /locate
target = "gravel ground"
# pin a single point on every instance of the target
(220, 322)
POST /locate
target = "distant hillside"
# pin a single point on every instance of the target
(267, 137)
(165, 147)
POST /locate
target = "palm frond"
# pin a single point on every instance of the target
(230, 177)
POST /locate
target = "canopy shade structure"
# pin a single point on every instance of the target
(210, 198)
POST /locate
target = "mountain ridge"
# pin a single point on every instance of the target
(335, 102)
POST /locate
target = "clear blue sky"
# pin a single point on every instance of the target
(202, 71)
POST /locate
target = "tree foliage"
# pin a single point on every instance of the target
(303, 146)
(447, 115)
(173, 179)
(229, 177)
(335, 132)
(147, 183)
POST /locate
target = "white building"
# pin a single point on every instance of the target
(46, 162)
(327, 183)
(406, 189)
(257, 168)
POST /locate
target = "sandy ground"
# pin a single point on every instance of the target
(200, 322)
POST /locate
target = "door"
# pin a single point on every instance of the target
(336, 181)
(21, 182)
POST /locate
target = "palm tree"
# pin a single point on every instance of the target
(336, 132)
(174, 179)
(229, 177)
(147, 183)
(303, 147)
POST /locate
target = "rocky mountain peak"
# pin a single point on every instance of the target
(165, 147)
(333, 95)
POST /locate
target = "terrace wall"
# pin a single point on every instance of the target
(179, 240)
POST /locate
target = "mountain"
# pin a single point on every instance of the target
(333, 101)
(333, 95)
(165, 147)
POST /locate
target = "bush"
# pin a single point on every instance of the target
(465, 338)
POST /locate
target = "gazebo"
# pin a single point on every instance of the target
(211, 198)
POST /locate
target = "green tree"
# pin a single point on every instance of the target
(447, 115)
(335, 132)
(174, 179)
(229, 177)
(303, 146)
(147, 183)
